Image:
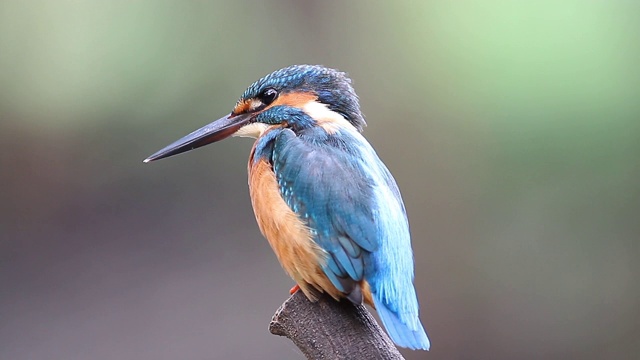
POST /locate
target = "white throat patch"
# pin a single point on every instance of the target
(253, 130)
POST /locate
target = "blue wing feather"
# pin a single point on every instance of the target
(353, 206)
(322, 185)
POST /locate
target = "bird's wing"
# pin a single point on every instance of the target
(329, 188)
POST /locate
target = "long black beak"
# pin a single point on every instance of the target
(216, 131)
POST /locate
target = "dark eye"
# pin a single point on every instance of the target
(268, 95)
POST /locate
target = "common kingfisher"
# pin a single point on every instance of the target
(328, 206)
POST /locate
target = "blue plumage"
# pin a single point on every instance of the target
(339, 223)
(350, 200)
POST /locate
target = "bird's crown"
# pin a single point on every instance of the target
(330, 87)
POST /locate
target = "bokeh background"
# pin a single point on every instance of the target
(512, 128)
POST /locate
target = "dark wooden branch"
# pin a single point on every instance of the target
(329, 330)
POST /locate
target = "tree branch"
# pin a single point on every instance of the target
(328, 329)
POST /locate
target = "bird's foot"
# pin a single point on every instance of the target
(294, 289)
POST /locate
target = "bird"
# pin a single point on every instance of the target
(328, 206)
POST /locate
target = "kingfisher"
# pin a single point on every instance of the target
(328, 206)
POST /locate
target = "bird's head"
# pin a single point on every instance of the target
(296, 96)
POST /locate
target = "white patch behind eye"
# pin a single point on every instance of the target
(253, 130)
(329, 120)
(254, 104)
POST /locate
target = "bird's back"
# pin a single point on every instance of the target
(357, 236)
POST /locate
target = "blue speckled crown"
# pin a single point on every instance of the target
(332, 87)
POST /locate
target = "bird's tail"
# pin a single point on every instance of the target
(404, 335)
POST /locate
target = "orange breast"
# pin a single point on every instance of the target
(289, 237)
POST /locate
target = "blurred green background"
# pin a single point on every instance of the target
(512, 128)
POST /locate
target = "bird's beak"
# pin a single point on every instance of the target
(216, 131)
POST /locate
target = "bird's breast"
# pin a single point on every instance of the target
(288, 235)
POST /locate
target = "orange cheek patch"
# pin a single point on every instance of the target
(295, 99)
(241, 107)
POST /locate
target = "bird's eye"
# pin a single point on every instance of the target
(267, 96)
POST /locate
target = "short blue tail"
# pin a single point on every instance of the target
(401, 333)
